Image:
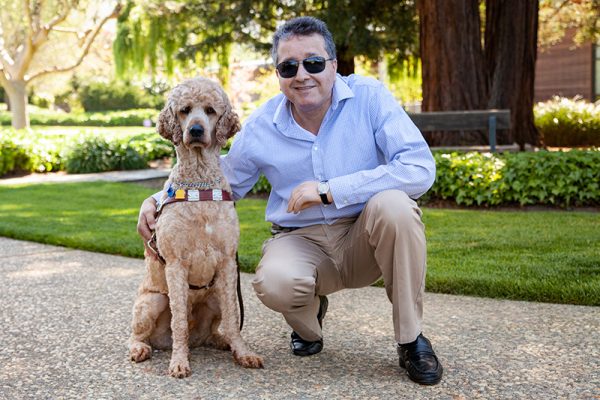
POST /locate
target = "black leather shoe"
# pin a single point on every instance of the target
(420, 361)
(301, 347)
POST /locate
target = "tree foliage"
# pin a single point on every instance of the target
(557, 16)
(195, 32)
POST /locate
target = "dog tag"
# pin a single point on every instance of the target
(217, 194)
(193, 195)
(170, 192)
(180, 194)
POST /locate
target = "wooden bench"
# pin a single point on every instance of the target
(464, 121)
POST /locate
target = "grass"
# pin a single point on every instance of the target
(549, 256)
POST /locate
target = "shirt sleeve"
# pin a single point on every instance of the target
(240, 171)
(408, 163)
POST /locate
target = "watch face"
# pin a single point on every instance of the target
(323, 187)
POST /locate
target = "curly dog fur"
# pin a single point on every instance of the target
(198, 241)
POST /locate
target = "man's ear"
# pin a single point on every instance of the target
(168, 125)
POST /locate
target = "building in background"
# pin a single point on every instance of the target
(568, 71)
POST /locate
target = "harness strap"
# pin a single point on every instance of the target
(199, 195)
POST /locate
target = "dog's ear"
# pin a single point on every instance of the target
(227, 126)
(168, 125)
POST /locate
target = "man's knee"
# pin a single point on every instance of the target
(393, 207)
(281, 291)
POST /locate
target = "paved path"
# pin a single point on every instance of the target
(111, 176)
(65, 322)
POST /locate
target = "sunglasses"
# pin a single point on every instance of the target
(312, 65)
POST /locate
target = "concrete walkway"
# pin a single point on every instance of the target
(65, 322)
(110, 176)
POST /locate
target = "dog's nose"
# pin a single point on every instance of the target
(196, 131)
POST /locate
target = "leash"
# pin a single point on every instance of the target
(194, 195)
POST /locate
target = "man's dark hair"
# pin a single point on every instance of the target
(303, 26)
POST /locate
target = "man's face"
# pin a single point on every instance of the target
(307, 92)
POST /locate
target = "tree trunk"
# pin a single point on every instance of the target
(510, 53)
(452, 64)
(345, 61)
(17, 96)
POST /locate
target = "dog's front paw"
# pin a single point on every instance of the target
(139, 352)
(249, 360)
(179, 368)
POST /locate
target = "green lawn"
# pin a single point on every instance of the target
(551, 256)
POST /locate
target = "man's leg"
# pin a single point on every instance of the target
(287, 275)
(390, 236)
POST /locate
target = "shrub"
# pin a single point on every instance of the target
(98, 96)
(13, 156)
(30, 151)
(553, 178)
(261, 186)
(469, 178)
(543, 178)
(152, 147)
(24, 151)
(135, 117)
(95, 153)
(568, 122)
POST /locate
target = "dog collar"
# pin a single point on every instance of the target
(194, 195)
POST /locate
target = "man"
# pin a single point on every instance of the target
(345, 164)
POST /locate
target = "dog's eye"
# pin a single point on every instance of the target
(209, 110)
(186, 110)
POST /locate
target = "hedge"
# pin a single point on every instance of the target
(564, 179)
(559, 178)
(564, 122)
(30, 152)
(137, 117)
(99, 96)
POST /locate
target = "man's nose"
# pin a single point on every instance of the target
(196, 130)
(302, 73)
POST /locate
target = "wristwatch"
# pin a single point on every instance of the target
(323, 189)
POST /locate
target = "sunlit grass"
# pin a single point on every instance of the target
(551, 256)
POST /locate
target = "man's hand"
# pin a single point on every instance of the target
(303, 196)
(147, 219)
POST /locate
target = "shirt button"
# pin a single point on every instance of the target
(315, 148)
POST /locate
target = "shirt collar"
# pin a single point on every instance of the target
(341, 91)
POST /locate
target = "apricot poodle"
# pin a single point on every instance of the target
(189, 298)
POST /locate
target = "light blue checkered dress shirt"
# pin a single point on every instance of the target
(366, 144)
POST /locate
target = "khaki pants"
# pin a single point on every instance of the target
(387, 239)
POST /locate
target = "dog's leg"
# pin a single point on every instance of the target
(147, 308)
(225, 287)
(177, 282)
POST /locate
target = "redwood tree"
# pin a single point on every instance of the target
(463, 71)
(510, 53)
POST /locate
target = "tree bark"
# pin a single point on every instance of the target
(345, 61)
(17, 98)
(458, 74)
(510, 54)
(452, 64)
